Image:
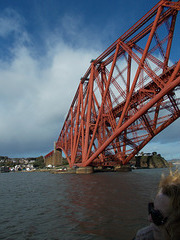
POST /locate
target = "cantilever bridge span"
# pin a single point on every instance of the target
(128, 95)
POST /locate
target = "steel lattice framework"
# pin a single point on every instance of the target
(128, 95)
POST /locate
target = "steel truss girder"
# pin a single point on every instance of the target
(127, 96)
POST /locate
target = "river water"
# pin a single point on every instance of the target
(100, 206)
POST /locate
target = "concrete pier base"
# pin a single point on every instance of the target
(55, 159)
(84, 170)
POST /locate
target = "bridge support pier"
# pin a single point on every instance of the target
(54, 159)
(57, 158)
(84, 170)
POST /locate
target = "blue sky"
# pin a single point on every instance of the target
(45, 48)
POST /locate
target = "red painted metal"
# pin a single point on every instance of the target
(127, 96)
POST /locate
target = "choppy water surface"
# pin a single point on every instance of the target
(68, 206)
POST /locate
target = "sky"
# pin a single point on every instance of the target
(45, 48)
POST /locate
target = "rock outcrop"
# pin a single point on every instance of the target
(149, 161)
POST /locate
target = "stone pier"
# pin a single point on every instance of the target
(84, 170)
(54, 158)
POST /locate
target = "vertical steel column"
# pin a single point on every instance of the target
(104, 97)
(127, 93)
(171, 31)
(88, 118)
(71, 131)
(73, 153)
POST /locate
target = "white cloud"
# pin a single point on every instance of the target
(9, 22)
(12, 26)
(36, 98)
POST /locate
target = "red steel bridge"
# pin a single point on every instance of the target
(127, 96)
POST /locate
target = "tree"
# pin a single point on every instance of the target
(39, 162)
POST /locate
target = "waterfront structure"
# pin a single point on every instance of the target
(127, 96)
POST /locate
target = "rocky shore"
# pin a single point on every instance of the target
(153, 160)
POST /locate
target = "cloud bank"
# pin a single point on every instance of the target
(37, 88)
(36, 91)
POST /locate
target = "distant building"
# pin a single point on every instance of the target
(140, 154)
